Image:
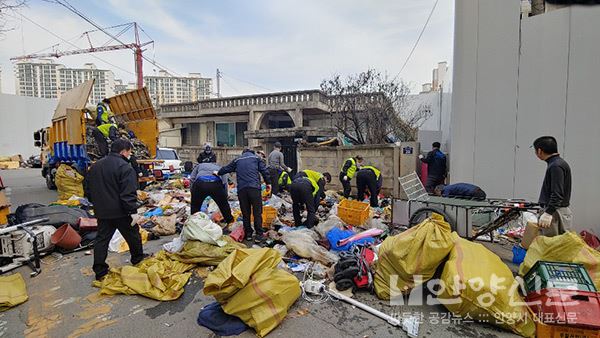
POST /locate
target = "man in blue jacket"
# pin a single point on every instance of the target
(248, 169)
(436, 167)
(205, 184)
(461, 190)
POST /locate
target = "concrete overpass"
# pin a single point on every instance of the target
(302, 107)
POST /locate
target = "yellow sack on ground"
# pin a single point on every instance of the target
(416, 252)
(475, 282)
(68, 182)
(156, 277)
(12, 291)
(196, 252)
(249, 285)
(567, 248)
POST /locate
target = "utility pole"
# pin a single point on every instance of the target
(218, 83)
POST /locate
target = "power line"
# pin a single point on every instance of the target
(417, 42)
(248, 82)
(70, 43)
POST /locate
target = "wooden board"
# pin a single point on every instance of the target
(75, 127)
(147, 131)
(75, 98)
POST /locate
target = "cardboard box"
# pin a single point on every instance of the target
(10, 165)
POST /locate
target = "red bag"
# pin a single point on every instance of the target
(238, 234)
(88, 224)
(591, 239)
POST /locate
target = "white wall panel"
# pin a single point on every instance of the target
(542, 94)
(496, 98)
(583, 116)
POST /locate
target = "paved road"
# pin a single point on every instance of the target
(63, 303)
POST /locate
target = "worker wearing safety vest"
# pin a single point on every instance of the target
(284, 180)
(369, 177)
(307, 189)
(347, 172)
(103, 113)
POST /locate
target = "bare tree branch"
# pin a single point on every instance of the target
(364, 107)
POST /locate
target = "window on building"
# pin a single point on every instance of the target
(231, 134)
(190, 134)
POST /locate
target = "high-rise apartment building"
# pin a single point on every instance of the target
(47, 79)
(104, 86)
(165, 88)
(39, 79)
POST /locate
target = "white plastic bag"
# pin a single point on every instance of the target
(303, 244)
(115, 242)
(175, 245)
(199, 227)
(332, 221)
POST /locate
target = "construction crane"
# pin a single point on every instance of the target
(135, 46)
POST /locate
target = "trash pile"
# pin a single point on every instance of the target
(140, 150)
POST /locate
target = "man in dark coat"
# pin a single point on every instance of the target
(112, 188)
(436, 167)
(248, 169)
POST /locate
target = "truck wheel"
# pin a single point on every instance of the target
(50, 182)
(422, 214)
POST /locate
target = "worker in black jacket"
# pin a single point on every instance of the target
(436, 167)
(208, 155)
(112, 189)
(369, 178)
(307, 189)
(351, 165)
(555, 196)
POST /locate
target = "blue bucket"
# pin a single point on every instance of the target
(518, 254)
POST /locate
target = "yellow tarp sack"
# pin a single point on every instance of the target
(196, 252)
(12, 291)
(68, 182)
(475, 282)
(156, 277)
(416, 252)
(249, 285)
(567, 248)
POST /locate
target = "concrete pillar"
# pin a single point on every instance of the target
(210, 133)
(296, 116)
(251, 120)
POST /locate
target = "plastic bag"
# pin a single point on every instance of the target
(333, 221)
(304, 245)
(417, 251)
(174, 246)
(478, 284)
(156, 277)
(567, 248)
(119, 244)
(197, 252)
(199, 227)
(68, 182)
(14, 291)
(377, 223)
(249, 286)
(165, 225)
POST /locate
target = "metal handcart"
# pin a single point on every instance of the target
(471, 219)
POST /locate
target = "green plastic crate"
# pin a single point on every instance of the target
(558, 275)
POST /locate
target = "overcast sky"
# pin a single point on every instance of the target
(259, 45)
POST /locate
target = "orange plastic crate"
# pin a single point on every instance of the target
(4, 211)
(353, 212)
(269, 214)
